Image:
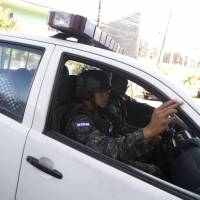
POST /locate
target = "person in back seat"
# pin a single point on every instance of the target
(127, 108)
(91, 124)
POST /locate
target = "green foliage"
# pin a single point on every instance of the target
(191, 79)
(7, 22)
(166, 70)
(74, 67)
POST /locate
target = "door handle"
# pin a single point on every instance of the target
(35, 162)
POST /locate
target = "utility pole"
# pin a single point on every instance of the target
(164, 39)
(99, 13)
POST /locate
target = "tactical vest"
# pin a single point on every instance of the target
(99, 118)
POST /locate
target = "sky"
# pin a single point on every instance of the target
(185, 13)
(183, 26)
(113, 9)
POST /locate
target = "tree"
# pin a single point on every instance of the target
(191, 79)
(7, 22)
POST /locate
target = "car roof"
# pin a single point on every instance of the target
(143, 66)
(79, 46)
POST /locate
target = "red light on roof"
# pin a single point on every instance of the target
(67, 22)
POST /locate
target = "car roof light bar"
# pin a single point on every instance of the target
(108, 40)
(111, 46)
(79, 27)
(97, 34)
(115, 47)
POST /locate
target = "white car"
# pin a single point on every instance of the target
(39, 162)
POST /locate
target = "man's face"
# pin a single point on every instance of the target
(101, 98)
(120, 87)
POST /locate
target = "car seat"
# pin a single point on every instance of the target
(64, 101)
(22, 80)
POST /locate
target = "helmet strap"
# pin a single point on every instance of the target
(92, 99)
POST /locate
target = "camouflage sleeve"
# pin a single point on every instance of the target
(134, 137)
(122, 147)
(138, 147)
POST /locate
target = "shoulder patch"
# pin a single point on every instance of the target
(82, 124)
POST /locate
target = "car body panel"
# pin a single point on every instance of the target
(13, 134)
(81, 166)
(83, 176)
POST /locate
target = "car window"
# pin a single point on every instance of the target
(18, 65)
(130, 105)
(142, 95)
(75, 67)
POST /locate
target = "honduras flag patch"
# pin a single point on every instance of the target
(82, 124)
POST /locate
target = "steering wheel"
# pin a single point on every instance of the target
(174, 134)
(167, 137)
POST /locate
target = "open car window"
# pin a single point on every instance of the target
(142, 95)
(177, 143)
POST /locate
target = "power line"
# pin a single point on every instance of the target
(164, 38)
(99, 13)
(36, 4)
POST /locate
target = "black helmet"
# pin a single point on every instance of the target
(91, 81)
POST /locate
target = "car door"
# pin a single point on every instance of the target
(55, 167)
(20, 59)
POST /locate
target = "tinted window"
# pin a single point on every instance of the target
(17, 69)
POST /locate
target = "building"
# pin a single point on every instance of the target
(126, 32)
(30, 17)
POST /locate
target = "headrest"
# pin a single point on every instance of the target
(22, 79)
(66, 92)
(21, 76)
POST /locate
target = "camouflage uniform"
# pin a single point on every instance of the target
(128, 109)
(109, 135)
(117, 106)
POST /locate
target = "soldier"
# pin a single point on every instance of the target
(91, 124)
(127, 108)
